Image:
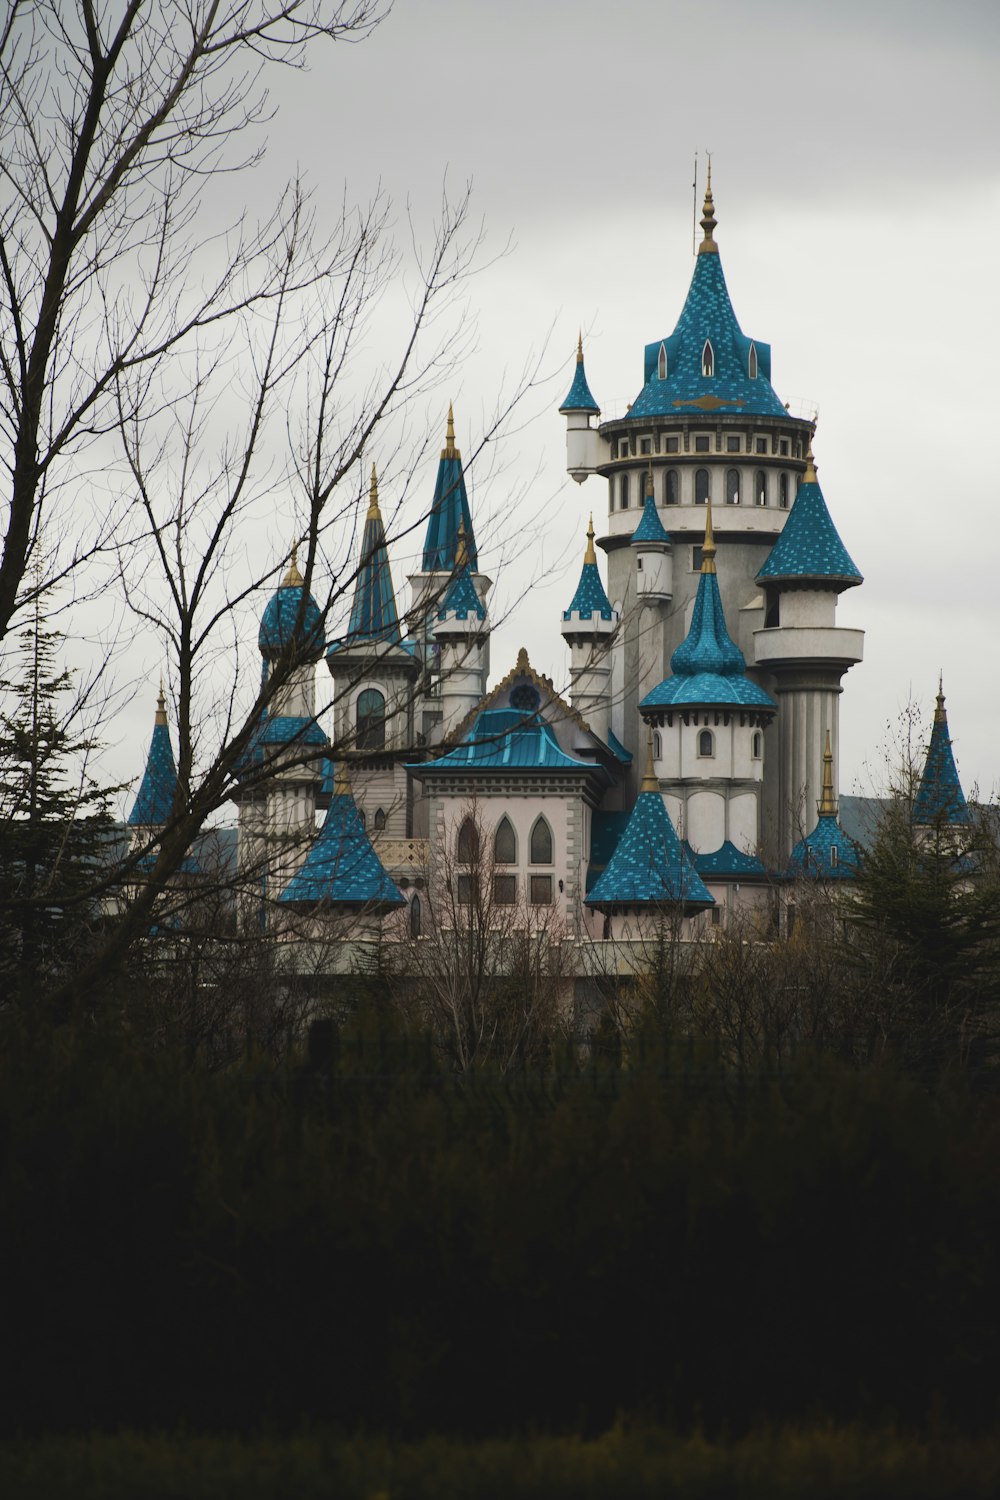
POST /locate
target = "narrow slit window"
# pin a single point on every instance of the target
(541, 843)
(758, 745)
(661, 363)
(672, 489)
(760, 487)
(706, 744)
(623, 492)
(732, 486)
(702, 487)
(783, 491)
(379, 819)
(415, 917)
(657, 746)
(708, 359)
(468, 843)
(752, 362)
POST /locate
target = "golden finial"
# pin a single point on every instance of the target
(650, 780)
(523, 664)
(590, 556)
(810, 475)
(293, 578)
(827, 805)
(341, 780)
(649, 479)
(374, 514)
(579, 347)
(940, 717)
(708, 549)
(708, 219)
(461, 550)
(161, 705)
(449, 450)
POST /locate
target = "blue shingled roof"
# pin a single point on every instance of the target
(278, 622)
(619, 749)
(707, 315)
(342, 868)
(650, 528)
(590, 597)
(282, 729)
(649, 866)
(373, 612)
(449, 508)
(708, 667)
(726, 862)
(155, 798)
(460, 597)
(939, 796)
(504, 739)
(809, 546)
(812, 857)
(579, 398)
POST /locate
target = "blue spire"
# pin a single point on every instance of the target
(155, 799)
(650, 866)
(342, 868)
(708, 666)
(579, 398)
(826, 853)
(707, 364)
(809, 546)
(373, 613)
(650, 528)
(590, 598)
(285, 610)
(449, 509)
(939, 796)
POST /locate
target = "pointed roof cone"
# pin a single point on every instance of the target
(708, 219)
(342, 869)
(288, 615)
(809, 547)
(460, 599)
(155, 798)
(449, 509)
(939, 796)
(650, 532)
(373, 612)
(826, 853)
(650, 866)
(591, 597)
(579, 397)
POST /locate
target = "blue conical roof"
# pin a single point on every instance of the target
(155, 798)
(579, 397)
(373, 612)
(650, 528)
(460, 597)
(342, 868)
(449, 511)
(825, 854)
(708, 666)
(591, 597)
(287, 615)
(809, 546)
(939, 796)
(650, 866)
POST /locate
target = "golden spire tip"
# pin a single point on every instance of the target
(461, 549)
(940, 716)
(708, 219)
(827, 805)
(708, 549)
(590, 556)
(810, 475)
(161, 704)
(374, 514)
(293, 578)
(650, 781)
(449, 450)
(341, 780)
(579, 347)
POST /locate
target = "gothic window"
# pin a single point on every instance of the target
(505, 843)
(783, 491)
(707, 359)
(370, 711)
(415, 917)
(760, 487)
(379, 819)
(661, 363)
(541, 843)
(757, 744)
(672, 491)
(468, 843)
(752, 363)
(706, 744)
(732, 486)
(623, 492)
(702, 487)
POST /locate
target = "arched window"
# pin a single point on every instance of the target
(672, 489)
(702, 487)
(657, 746)
(541, 843)
(706, 743)
(661, 363)
(757, 744)
(415, 917)
(752, 362)
(505, 843)
(370, 711)
(623, 492)
(707, 359)
(379, 820)
(468, 843)
(732, 486)
(760, 487)
(783, 491)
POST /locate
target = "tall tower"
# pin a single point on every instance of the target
(588, 627)
(461, 632)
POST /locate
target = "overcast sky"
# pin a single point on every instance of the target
(856, 174)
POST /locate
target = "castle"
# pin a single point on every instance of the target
(694, 757)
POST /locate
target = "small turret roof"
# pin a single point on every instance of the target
(727, 862)
(809, 547)
(591, 597)
(813, 857)
(507, 739)
(373, 612)
(287, 618)
(939, 796)
(650, 530)
(650, 866)
(342, 868)
(460, 598)
(155, 798)
(579, 397)
(449, 511)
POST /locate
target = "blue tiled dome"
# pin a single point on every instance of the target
(285, 611)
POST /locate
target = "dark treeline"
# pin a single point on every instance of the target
(355, 1237)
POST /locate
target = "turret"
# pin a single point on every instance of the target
(461, 631)
(584, 447)
(826, 853)
(588, 627)
(651, 546)
(154, 801)
(939, 798)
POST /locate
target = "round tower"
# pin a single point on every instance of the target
(588, 627)
(461, 630)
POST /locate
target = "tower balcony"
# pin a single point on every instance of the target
(797, 645)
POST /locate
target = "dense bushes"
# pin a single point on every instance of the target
(365, 1242)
